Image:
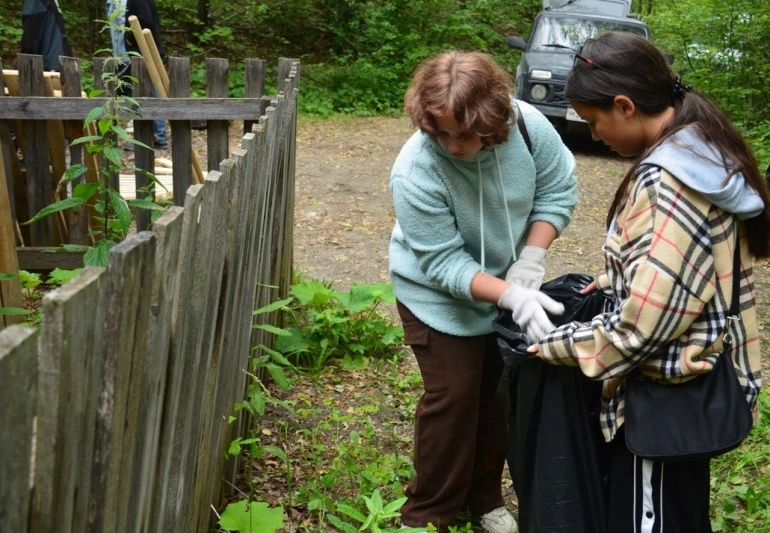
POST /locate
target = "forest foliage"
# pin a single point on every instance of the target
(357, 55)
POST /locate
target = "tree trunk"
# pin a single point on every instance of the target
(203, 12)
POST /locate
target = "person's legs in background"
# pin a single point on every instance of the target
(159, 128)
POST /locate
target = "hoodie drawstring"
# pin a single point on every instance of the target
(481, 211)
(505, 205)
(481, 214)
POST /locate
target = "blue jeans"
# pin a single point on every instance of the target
(159, 126)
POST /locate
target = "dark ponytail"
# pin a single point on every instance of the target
(628, 64)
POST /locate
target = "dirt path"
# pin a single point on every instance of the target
(345, 213)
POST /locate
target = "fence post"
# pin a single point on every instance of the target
(144, 158)
(77, 220)
(217, 130)
(181, 133)
(254, 85)
(10, 163)
(102, 65)
(34, 136)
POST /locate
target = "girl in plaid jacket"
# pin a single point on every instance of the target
(693, 194)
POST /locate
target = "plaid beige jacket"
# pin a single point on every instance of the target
(669, 265)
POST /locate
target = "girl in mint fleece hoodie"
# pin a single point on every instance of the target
(476, 211)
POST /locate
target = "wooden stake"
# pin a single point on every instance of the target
(154, 67)
(157, 59)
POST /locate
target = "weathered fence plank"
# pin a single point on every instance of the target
(266, 291)
(182, 108)
(164, 506)
(34, 141)
(224, 356)
(18, 391)
(71, 87)
(207, 283)
(291, 91)
(71, 343)
(168, 232)
(127, 301)
(281, 189)
(144, 158)
(217, 87)
(181, 133)
(203, 282)
(257, 154)
(254, 85)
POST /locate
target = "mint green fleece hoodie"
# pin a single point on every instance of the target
(436, 245)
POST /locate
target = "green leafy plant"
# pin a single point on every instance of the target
(250, 517)
(59, 276)
(9, 311)
(377, 513)
(740, 481)
(324, 324)
(113, 211)
(29, 281)
(258, 396)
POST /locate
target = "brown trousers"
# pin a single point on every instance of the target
(459, 452)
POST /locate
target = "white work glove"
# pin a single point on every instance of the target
(528, 270)
(528, 307)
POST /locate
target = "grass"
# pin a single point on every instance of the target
(740, 481)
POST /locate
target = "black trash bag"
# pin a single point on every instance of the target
(555, 451)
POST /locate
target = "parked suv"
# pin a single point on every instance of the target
(558, 32)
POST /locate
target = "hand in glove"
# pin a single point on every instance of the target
(528, 307)
(528, 271)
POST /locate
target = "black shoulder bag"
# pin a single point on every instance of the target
(701, 418)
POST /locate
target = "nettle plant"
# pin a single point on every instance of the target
(113, 211)
(31, 286)
(325, 324)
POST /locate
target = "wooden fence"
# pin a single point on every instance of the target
(43, 125)
(115, 414)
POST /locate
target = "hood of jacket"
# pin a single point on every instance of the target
(700, 166)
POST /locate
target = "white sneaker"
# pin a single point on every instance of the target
(414, 529)
(130, 127)
(499, 521)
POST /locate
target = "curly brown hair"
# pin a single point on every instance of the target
(469, 85)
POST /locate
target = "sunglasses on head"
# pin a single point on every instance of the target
(588, 61)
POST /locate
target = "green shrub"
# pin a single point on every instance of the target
(740, 481)
(323, 324)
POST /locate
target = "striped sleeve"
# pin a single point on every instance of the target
(662, 250)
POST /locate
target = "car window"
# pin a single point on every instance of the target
(573, 32)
